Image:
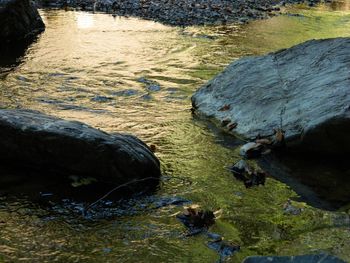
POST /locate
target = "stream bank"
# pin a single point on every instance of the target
(183, 12)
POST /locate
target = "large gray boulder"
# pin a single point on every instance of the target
(318, 258)
(304, 89)
(19, 20)
(30, 138)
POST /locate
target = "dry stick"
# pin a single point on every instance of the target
(116, 188)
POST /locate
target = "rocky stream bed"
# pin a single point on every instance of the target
(125, 74)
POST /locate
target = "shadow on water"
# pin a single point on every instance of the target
(85, 197)
(12, 56)
(320, 181)
(37, 183)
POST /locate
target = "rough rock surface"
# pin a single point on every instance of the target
(182, 12)
(294, 259)
(73, 148)
(19, 20)
(305, 89)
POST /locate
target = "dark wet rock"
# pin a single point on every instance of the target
(33, 139)
(324, 258)
(289, 208)
(214, 236)
(150, 84)
(153, 87)
(256, 178)
(240, 167)
(20, 22)
(125, 93)
(172, 90)
(146, 97)
(296, 89)
(223, 248)
(145, 81)
(101, 99)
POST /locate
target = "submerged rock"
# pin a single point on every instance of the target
(19, 20)
(72, 148)
(324, 258)
(304, 90)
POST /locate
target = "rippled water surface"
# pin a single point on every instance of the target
(136, 76)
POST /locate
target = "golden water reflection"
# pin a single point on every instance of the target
(84, 20)
(136, 76)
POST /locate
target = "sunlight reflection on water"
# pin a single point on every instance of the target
(84, 20)
(136, 76)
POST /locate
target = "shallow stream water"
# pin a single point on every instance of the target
(136, 76)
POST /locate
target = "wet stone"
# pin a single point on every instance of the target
(153, 87)
(125, 93)
(45, 142)
(101, 99)
(223, 248)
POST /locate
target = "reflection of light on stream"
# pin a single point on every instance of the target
(84, 20)
(88, 67)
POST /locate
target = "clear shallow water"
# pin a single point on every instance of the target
(135, 76)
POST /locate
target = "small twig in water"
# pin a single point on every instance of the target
(116, 188)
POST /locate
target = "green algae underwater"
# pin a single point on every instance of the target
(98, 69)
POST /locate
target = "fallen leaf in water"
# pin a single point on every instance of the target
(249, 176)
(218, 213)
(232, 126)
(264, 141)
(226, 107)
(225, 122)
(279, 136)
(153, 148)
(196, 219)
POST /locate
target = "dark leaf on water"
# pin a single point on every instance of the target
(197, 219)
(153, 148)
(226, 107)
(232, 126)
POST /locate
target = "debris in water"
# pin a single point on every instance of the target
(279, 141)
(257, 178)
(224, 248)
(226, 107)
(251, 150)
(197, 220)
(225, 122)
(249, 176)
(289, 208)
(264, 141)
(153, 148)
(232, 126)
